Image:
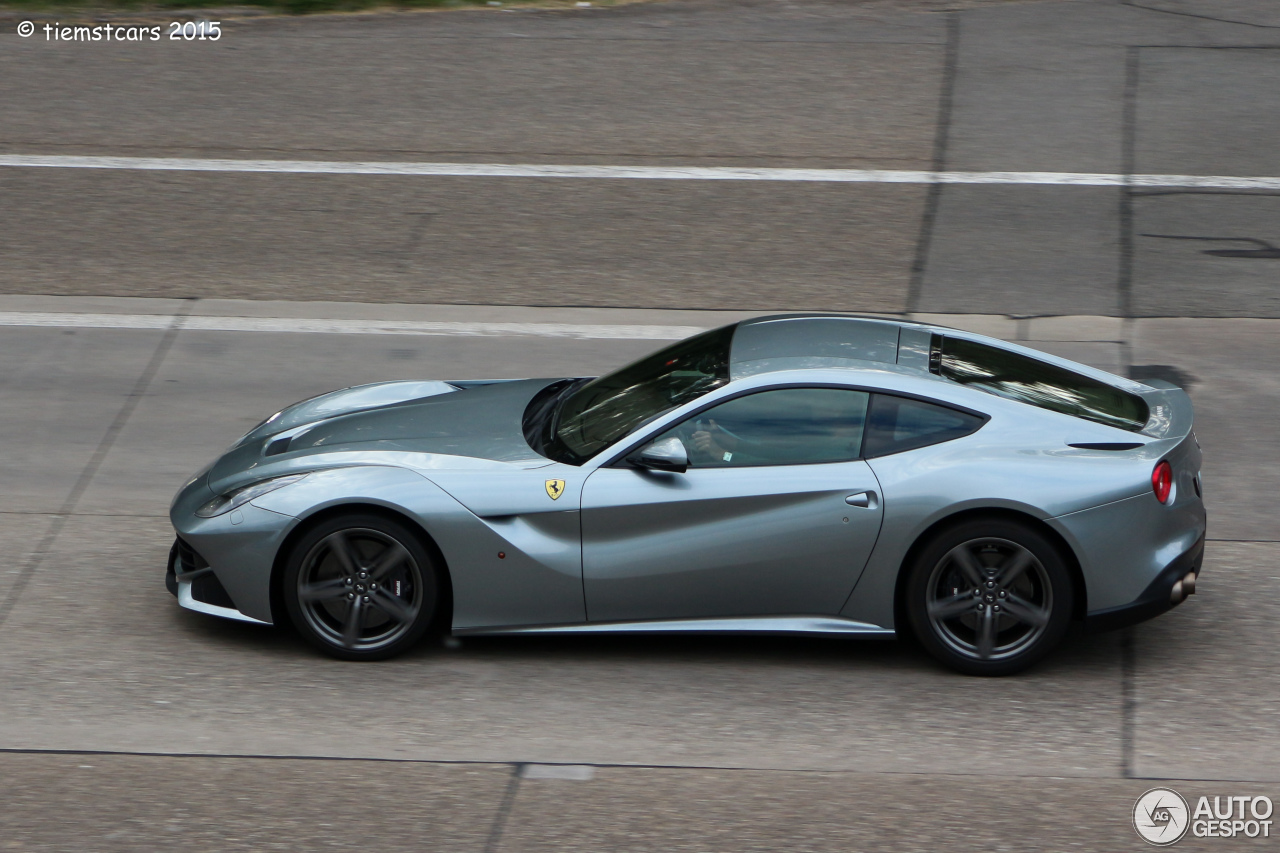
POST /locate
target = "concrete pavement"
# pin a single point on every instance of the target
(96, 655)
(154, 802)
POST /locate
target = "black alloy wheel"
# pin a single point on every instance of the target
(360, 587)
(989, 596)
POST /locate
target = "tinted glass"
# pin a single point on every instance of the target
(608, 408)
(789, 426)
(896, 424)
(1029, 380)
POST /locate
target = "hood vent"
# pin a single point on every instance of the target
(278, 446)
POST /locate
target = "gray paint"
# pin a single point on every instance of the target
(619, 546)
(538, 579)
(1012, 465)
(482, 422)
(355, 399)
(724, 541)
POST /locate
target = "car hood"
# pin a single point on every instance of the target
(465, 420)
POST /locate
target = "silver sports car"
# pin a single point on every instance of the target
(797, 474)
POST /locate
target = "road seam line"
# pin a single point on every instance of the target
(1128, 702)
(515, 765)
(504, 811)
(1128, 156)
(941, 139)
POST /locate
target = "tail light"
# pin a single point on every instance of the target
(1162, 482)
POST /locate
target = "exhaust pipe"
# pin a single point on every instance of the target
(1183, 588)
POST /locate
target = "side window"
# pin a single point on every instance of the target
(787, 426)
(896, 424)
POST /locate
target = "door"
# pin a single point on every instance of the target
(776, 514)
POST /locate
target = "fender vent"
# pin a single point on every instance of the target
(1106, 445)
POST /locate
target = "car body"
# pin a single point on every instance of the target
(858, 443)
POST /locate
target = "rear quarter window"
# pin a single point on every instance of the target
(1029, 380)
(896, 424)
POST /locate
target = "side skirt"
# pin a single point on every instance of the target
(802, 625)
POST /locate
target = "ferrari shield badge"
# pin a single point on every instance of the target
(555, 488)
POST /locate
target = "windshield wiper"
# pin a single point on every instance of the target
(555, 405)
(542, 414)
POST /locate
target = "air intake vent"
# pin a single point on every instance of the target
(211, 591)
(206, 587)
(188, 560)
(278, 446)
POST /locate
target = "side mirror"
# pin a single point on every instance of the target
(665, 455)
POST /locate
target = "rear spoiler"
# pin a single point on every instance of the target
(1172, 414)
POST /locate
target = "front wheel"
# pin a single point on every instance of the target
(360, 587)
(989, 597)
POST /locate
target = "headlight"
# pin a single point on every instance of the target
(241, 496)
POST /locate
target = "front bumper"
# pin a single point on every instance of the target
(1155, 599)
(238, 548)
(192, 581)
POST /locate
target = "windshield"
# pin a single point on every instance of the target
(609, 408)
(1030, 380)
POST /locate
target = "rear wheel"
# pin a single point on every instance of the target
(360, 587)
(989, 596)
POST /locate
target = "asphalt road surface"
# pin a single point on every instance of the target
(1180, 87)
(127, 723)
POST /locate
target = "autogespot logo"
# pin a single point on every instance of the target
(1161, 816)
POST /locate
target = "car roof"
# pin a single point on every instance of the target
(830, 340)
(791, 341)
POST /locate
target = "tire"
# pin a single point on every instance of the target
(360, 587)
(989, 596)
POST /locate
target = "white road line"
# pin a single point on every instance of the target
(662, 173)
(348, 327)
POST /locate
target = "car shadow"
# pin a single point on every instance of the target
(1080, 651)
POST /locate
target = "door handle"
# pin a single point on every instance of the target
(866, 500)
